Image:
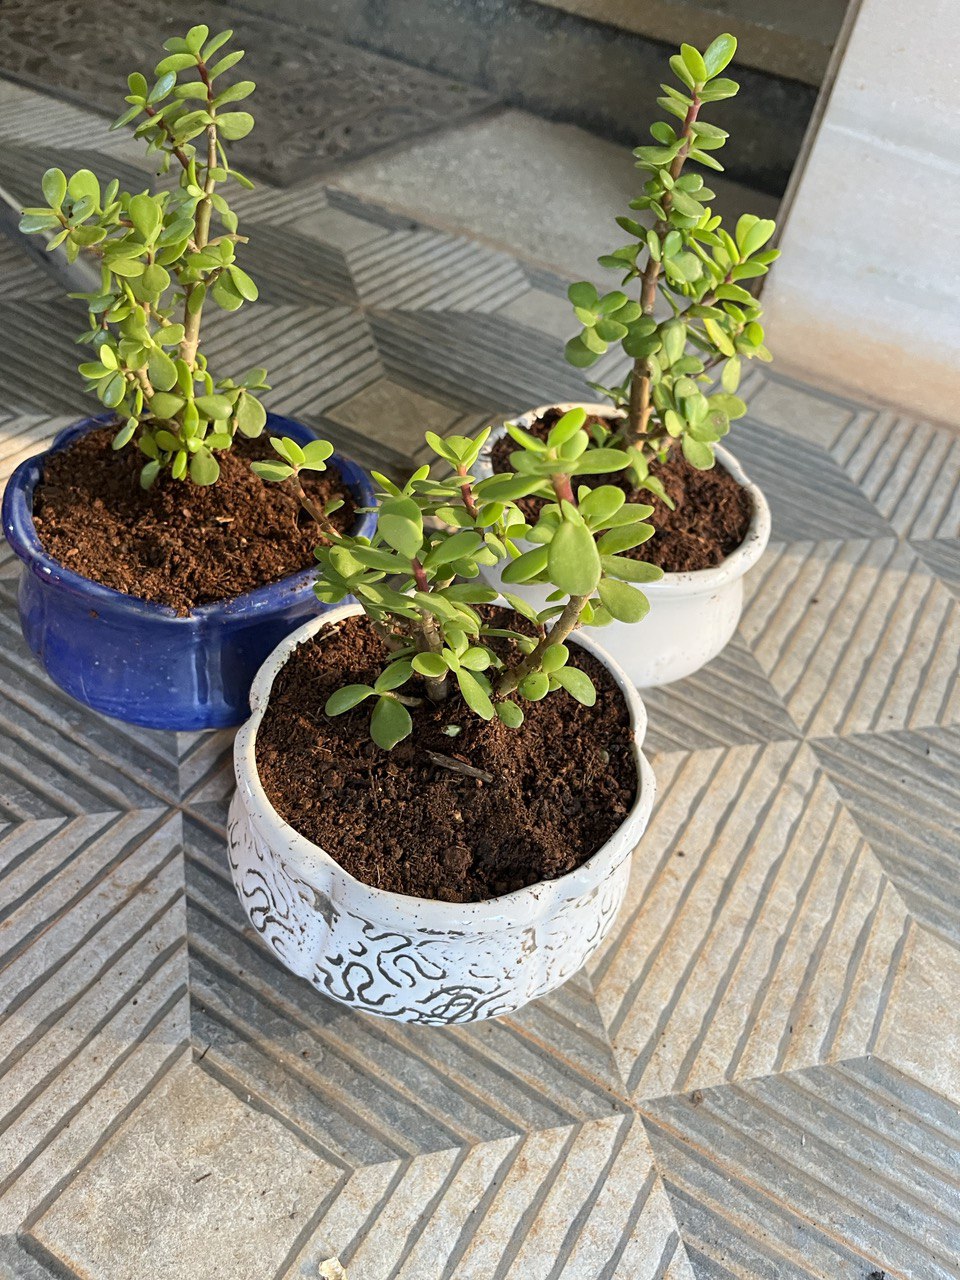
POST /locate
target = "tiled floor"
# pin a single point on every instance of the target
(759, 1077)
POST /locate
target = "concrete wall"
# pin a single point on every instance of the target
(867, 294)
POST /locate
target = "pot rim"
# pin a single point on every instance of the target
(521, 906)
(21, 533)
(733, 566)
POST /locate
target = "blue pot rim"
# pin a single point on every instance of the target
(22, 535)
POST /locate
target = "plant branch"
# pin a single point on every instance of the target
(430, 640)
(565, 622)
(640, 381)
(177, 151)
(191, 316)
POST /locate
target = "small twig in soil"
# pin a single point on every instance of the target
(457, 766)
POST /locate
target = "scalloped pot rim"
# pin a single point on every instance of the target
(22, 535)
(735, 565)
(522, 906)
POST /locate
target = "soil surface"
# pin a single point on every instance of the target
(178, 543)
(712, 512)
(555, 789)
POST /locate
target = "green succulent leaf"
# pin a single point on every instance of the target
(345, 698)
(573, 561)
(578, 684)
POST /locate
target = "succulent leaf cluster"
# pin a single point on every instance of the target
(417, 576)
(162, 255)
(693, 312)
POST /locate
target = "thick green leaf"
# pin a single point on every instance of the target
(526, 566)
(217, 407)
(204, 468)
(509, 713)
(697, 453)
(345, 698)
(430, 664)
(719, 53)
(401, 526)
(535, 686)
(624, 567)
(315, 455)
(583, 294)
(573, 561)
(390, 723)
(54, 184)
(623, 602)
(251, 416)
(474, 695)
(577, 683)
(234, 125)
(393, 676)
(276, 472)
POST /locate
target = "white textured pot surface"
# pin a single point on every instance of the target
(692, 615)
(416, 959)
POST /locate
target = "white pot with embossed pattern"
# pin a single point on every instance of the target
(416, 959)
(692, 615)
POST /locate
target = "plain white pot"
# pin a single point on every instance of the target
(416, 959)
(692, 615)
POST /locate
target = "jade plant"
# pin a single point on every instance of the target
(416, 578)
(691, 314)
(162, 256)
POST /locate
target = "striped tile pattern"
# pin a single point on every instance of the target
(855, 636)
(757, 1076)
(909, 470)
(882, 777)
(759, 931)
(846, 1170)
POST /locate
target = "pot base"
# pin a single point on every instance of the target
(428, 976)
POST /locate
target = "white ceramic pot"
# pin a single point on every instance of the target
(416, 959)
(692, 615)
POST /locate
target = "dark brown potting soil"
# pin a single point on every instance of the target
(177, 543)
(553, 790)
(712, 511)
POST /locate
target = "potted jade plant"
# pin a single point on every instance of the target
(692, 321)
(159, 569)
(439, 789)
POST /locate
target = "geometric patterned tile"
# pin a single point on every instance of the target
(542, 311)
(729, 702)
(942, 555)
(805, 413)
(422, 269)
(408, 413)
(922, 996)
(811, 497)
(885, 778)
(335, 227)
(169, 1157)
(22, 276)
(481, 362)
(909, 470)
(758, 931)
(573, 1203)
(291, 269)
(38, 359)
(855, 636)
(92, 987)
(848, 1170)
(319, 355)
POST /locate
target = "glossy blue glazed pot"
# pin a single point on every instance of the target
(141, 661)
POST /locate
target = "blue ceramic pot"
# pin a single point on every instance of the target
(141, 661)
